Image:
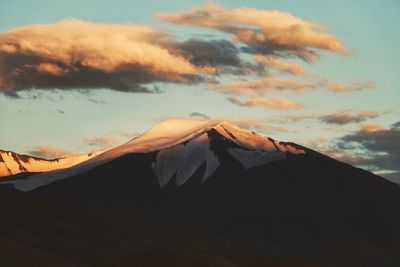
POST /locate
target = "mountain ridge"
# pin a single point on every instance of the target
(12, 163)
(230, 184)
(178, 139)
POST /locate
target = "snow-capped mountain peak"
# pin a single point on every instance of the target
(14, 163)
(181, 147)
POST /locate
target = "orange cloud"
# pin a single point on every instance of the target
(262, 86)
(74, 54)
(273, 62)
(263, 31)
(343, 88)
(265, 85)
(274, 103)
(371, 127)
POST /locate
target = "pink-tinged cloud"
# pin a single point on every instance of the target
(80, 54)
(263, 31)
(273, 62)
(49, 152)
(258, 125)
(273, 103)
(371, 127)
(263, 86)
(344, 88)
(346, 117)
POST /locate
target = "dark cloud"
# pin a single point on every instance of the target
(22, 74)
(101, 143)
(378, 150)
(96, 101)
(210, 53)
(199, 115)
(221, 54)
(58, 111)
(396, 125)
(346, 117)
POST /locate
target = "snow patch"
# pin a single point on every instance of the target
(183, 160)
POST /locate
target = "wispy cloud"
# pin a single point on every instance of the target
(273, 103)
(346, 117)
(259, 125)
(199, 115)
(344, 88)
(263, 86)
(129, 134)
(49, 152)
(101, 143)
(286, 67)
(340, 117)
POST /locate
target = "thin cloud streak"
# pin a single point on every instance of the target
(273, 103)
(101, 143)
(49, 152)
(346, 117)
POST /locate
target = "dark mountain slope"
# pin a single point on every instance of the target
(308, 204)
(293, 207)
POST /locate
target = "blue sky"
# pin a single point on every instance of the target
(69, 118)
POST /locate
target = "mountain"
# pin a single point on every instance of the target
(260, 201)
(182, 146)
(14, 163)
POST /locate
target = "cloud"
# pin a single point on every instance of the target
(128, 134)
(57, 111)
(286, 67)
(268, 32)
(199, 115)
(396, 125)
(343, 88)
(377, 149)
(346, 117)
(263, 86)
(217, 53)
(80, 54)
(77, 54)
(97, 101)
(258, 125)
(273, 103)
(101, 143)
(371, 127)
(49, 152)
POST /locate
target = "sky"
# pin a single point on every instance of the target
(79, 76)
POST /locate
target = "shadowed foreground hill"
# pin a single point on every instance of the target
(41, 233)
